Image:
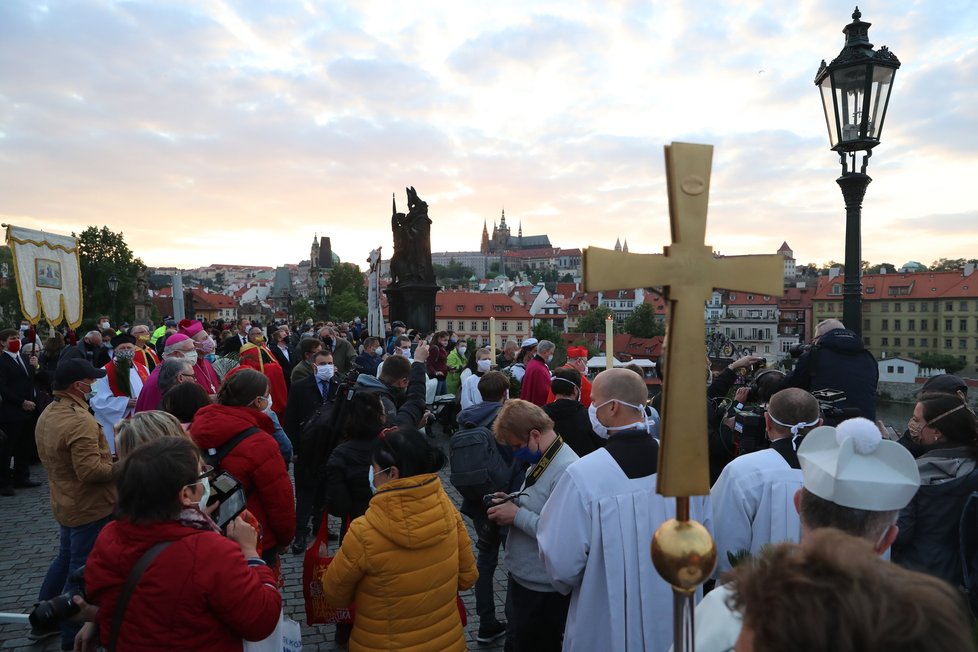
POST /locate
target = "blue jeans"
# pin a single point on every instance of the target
(76, 543)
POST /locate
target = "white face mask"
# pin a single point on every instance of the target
(268, 400)
(104, 324)
(461, 350)
(202, 503)
(379, 350)
(483, 366)
(406, 352)
(190, 356)
(324, 372)
(604, 431)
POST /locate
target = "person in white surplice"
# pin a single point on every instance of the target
(595, 530)
(753, 499)
(117, 391)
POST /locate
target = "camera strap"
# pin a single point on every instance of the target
(131, 582)
(544, 462)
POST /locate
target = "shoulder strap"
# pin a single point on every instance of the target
(131, 581)
(219, 453)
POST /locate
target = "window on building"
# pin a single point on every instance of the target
(866, 341)
(911, 324)
(478, 308)
(948, 305)
(911, 341)
(474, 325)
(963, 325)
(885, 325)
(911, 307)
(923, 306)
(485, 325)
(865, 324)
(897, 324)
(923, 324)
(947, 343)
(899, 368)
(962, 343)
(460, 308)
(948, 325)
(886, 306)
(889, 369)
(885, 341)
(963, 306)
(519, 326)
(896, 341)
(451, 325)
(897, 307)
(505, 326)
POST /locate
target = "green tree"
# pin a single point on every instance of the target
(951, 265)
(346, 305)
(544, 331)
(949, 363)
(593, 321)
(101, 254)
(878, 269)
(453, 274)
(302, 309)
(643, 323)
(347, 278)
(10, 314)
(567, 278)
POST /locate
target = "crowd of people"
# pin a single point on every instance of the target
(140, 428)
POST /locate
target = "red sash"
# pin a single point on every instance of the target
(149, 358)
(113, 383)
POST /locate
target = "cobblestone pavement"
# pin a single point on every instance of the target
(30, 540)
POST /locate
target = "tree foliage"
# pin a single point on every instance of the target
(346, 305)
(347, 278)
(302, 309)
(453, 274)
(101, 254)
(643, 323)
(593, 321)
(951, 264)
(949, 363)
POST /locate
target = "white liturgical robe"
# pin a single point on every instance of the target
(110, 409)
(753, 505)
(594, 535)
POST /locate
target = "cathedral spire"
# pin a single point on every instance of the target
(624, 247)
(617, 244)
(484, 247)
(502, 221)
(393, 204)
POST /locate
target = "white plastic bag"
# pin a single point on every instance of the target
(287, 637)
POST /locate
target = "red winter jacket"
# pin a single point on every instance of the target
(255, 462)
(198, 594)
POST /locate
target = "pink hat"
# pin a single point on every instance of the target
(190, 327)
(176, 338)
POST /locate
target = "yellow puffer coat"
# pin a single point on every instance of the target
(402, 564)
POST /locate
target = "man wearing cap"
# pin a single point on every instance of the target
(76, 456)
(752, 499)
(203, 345)
(854, 481)
(116, 392)
(577, 360)
(145, 354)
(536, 381)
(525, 354)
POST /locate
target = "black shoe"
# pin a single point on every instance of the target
(299, 545)
(489, 632)
(26, 484)
(7, 490)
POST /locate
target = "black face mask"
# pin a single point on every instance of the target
(328, 342)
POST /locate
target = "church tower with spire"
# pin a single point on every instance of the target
(314, 251)
(484, 247)
(520, 236)
(624, 247)
(618, 244)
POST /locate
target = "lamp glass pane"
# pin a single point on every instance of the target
(829, 107)
(850, 91)
(879, 94)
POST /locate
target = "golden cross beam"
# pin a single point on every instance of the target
(688, 272)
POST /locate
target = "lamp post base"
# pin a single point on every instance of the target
(853, 185)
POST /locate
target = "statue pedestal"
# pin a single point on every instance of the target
(322, 311)
(413, 304)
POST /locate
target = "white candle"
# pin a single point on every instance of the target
(492, 341)
(609, 345)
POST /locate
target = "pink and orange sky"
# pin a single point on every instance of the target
(212, 131)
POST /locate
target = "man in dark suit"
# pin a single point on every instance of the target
(18, 413)
(306, 396)
(238, 339)
(90, 348)
(284, 354)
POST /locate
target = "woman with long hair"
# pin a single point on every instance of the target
(946, 428)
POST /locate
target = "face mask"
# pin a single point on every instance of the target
(190, 357)
(602, 430)
(526, 455)
(462, 350)
(202, 503)
(23, 328)
(453, 340)
(268, 408)
(915, 429)
(90, 394)
(370, 479)
(124, 355)
(142, 339)
(210, 357)
(324, 372)
(104, 324)
(406, 352)
(14, 346)
(206, 346)
(379, 350)
(483, 366)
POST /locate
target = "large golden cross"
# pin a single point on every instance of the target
(689, 272)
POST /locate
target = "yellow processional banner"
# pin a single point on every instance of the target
(48, 275)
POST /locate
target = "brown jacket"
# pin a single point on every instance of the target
(76, 457)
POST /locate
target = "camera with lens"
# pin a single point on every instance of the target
(832, 413)
(797, 350)
(488, 532)
(750, 433)
(50, 613)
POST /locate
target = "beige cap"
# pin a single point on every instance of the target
(853, 466)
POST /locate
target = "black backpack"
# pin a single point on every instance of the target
(477, 468)
(215, 456)
(968, 550)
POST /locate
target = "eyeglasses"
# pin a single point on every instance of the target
(205, 471)
(187, 375)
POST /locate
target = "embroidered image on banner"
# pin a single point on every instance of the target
(48, 275)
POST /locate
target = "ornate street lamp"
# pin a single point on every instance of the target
(855, 91)
(114, 289)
